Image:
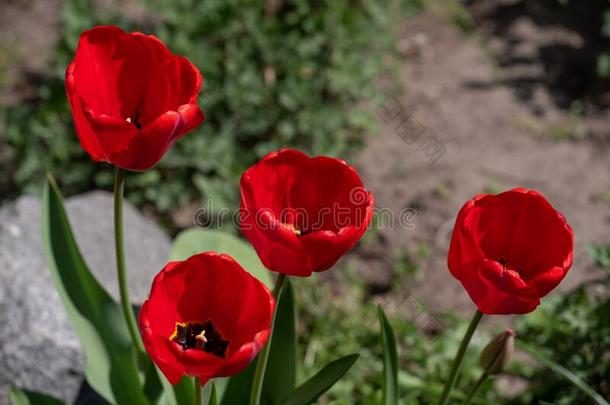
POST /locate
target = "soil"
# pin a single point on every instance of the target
(28, 33)
(458, 98)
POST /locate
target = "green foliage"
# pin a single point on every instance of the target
(97, 319)
(390, 393)
(312, 389)
(23, 397)
(337, 318)
(601, 256)
(573, 331)
(281, 374)
(213, 396)
(293, 77)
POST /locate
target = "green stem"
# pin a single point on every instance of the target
(476, 387)
(263, 357)
(119, 188)
(457, 362)
(198, 398)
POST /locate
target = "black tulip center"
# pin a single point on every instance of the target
(200, 336)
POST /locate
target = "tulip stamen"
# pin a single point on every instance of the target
(293, 228)
(297, 231)
(135, 121)
(199, 336)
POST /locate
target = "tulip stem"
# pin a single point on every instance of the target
(457, 362)
(476, 387)
(198, 399)
(119, 188)
(263, 357)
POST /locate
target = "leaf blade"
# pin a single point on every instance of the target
(96, 318)
(24, 397)
(280, 377)
(565, 373)
(321, 382)
(390, 361)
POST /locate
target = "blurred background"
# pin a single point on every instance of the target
(433, 101)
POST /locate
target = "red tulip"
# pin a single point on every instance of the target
(205, 317)
(131, 98)
(302, 214)
(509, 250)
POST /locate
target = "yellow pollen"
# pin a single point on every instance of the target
(296, 231)
(175, 334)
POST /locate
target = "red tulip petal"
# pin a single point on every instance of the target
(192, 117)
(242, 357)
(174, 80)
(148, 146)
(547, 280)
(497, 290)
(112, 71)
(114, 134)
(542, 241)
(158, 347)
(495, 222)
(509, 250)
(120, 82)
(87, 138)
(302, 214)
(163, 315)
(206, 287)
(227, 296)
(464, 248)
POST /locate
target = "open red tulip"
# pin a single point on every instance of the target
(509, 250)
(131, 98)
(205, 317)
(302, 214)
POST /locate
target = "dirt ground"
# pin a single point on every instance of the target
(459, 99)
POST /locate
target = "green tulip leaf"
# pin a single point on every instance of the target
(182, 393)
(563, 372)
(153, 387)
(312, 389)
(195, 240)
(280, 376)
(390, 361)
(98, 321)
(238, 386)
(23, 397)
(213, 396)
(281, 373)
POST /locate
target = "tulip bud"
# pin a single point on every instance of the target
(498, 352)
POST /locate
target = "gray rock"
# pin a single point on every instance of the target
(38, 348)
